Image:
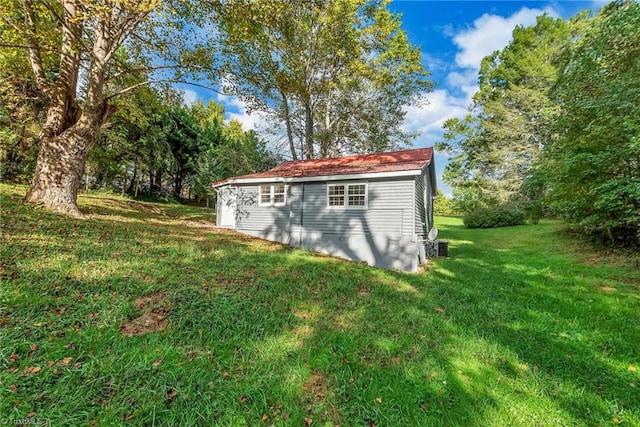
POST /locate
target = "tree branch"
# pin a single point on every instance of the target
(34, 51)
(150, 82)
(148, 69)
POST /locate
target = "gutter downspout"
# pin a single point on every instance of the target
(301, 215)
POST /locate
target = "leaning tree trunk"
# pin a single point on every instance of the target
(69, 132)
(60, 166)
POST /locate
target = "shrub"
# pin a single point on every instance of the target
(494, 217)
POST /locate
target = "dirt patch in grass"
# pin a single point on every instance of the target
(316, 395)
(315, 389)
(199, 223)
(153, 318)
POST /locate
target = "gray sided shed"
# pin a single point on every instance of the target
(387, 229)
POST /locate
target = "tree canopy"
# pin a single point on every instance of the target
(335, 75)
(554, 127)
(593, 166)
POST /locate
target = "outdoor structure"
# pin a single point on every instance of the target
(376, 208)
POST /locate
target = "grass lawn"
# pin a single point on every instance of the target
(144, 314)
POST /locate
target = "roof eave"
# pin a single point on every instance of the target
(345, 177)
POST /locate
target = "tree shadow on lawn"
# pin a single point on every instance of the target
(281, 339)
(573, 339)
(477, 340)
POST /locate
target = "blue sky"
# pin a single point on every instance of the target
(453, 36)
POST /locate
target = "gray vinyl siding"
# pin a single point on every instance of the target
(251, 216)
(424, 207)
(421, 218)
(382, 234)
(388, 211)
(218, 210)
(430, 194)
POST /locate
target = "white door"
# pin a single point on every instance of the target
(228, 208)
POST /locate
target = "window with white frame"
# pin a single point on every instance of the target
(347, 195)
(272, 194)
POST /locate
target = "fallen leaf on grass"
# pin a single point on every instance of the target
(439, 310)
(171, 394)
(631, 368)
(157, 363)
(31, 414)
(30, 370)
(14, 357)
(308, 421)
(264, 417)
(13, 387)
(378, 400)
(616, 420)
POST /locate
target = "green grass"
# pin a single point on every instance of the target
(520, 326)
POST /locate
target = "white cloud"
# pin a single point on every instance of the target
(236, 109)
(490, 33)
(428, 119)
(189, 97)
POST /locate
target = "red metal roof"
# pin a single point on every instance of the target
(395, 161)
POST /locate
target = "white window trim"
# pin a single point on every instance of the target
(272, 195)
(346, 195)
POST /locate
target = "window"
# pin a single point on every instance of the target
(336, 195)
(272, 194)
(265, 194)
(277, 193)
(357, 195)
(347, 195)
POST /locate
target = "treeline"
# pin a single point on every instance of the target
(555, 127)
(85, 89)
(152, 146)
(172, 150)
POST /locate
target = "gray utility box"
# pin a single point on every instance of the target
(442, 248)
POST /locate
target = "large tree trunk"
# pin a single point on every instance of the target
(58, 170)
(69, 132)
(60, 165)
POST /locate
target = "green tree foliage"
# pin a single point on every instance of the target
(497, 147)
(334, 74)
(238, 153)
(20, 107)
(444, 206)
(59, 39)
(593, 168)
(132, 142)
(152, 146)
